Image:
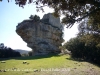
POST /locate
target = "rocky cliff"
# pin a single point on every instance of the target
(43, 36)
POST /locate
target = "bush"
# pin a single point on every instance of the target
(79, 49)
(8, 52)
(34, 17)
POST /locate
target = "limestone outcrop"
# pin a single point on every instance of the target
(42, 35)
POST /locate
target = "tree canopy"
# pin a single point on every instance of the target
(73, 10)
(6, 52)
(86, 45)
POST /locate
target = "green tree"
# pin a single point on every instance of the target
(87, 43)
(76, 47)
(88, 32)
(2, 45)
(80, 50)
(8, 52)
(73, 10)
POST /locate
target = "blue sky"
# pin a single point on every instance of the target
(11, 15)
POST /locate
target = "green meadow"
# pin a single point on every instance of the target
(47, 65)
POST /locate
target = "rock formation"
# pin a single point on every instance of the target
(43, 36)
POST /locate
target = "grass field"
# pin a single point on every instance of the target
(47, 65)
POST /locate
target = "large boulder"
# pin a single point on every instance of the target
(43, 36)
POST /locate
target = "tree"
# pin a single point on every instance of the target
(87, 43)
(73, 10)
(1, 45)
(88, 32)
(7, 52)
(80, 50)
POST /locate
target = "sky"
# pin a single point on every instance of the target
(11, 14)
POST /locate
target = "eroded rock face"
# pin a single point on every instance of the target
(43, 36)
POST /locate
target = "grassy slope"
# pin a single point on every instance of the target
(50, 63)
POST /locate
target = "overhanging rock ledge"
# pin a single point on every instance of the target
(42, 36)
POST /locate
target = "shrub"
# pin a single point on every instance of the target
(79, 49)
(8, 52)
(34, 17)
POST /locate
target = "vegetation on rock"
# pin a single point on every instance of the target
(34, 17)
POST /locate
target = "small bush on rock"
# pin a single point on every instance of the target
(34, 17)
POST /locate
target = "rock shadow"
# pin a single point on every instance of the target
(31, 57)
(82, 60)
